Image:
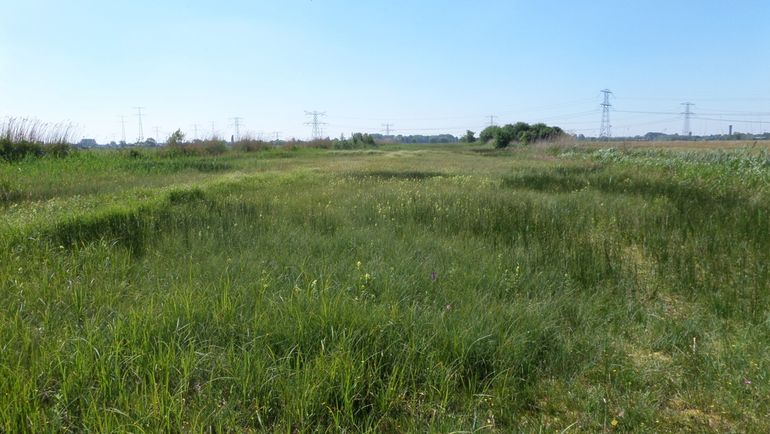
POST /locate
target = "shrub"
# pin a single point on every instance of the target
(319, 143)
(57, 149)
(503, 137)
(523, 133)
(250, 145)
(214, 147)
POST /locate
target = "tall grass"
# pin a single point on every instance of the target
(23, 137)
(401, 291)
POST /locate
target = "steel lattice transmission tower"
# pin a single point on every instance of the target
(316, 123)
(123, 129)
(387, 128)
(139, 115)
(237, 126)
(687, 114)
(605, 131)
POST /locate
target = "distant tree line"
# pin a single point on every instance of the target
(658, 136)
(356, 141)
(520, 133)
(416, 138)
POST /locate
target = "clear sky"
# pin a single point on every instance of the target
(426, 66)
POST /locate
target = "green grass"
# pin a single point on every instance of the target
(432, 289)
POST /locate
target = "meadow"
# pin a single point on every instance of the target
(442, 289)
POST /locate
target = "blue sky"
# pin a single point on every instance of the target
(424, 66)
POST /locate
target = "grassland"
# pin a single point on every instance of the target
(404, 289)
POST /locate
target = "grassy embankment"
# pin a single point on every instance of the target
(403, 290)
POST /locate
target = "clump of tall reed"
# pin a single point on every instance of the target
(24, 137)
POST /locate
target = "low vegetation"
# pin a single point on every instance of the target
(401, 289)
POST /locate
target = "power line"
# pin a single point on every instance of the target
(568, 116)
(547, 107)
(647, 112)
(659, 121)
(489, 118)
(466, 126)
(733, 113)
(645, 98)
(316, 123)
(604, 130)
(458, 128)
(729, 120)
(720, 110)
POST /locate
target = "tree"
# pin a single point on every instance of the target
(469, 137)
(519, 128)
(176, 138)
(488, 133)
(362, 139)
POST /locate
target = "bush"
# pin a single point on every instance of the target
(504, 136)
(57, 149)
(197, 148)
(319, 143)
(176, 146)
(13, 151)
(214, 147)
(523, 133)
(250, 145)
